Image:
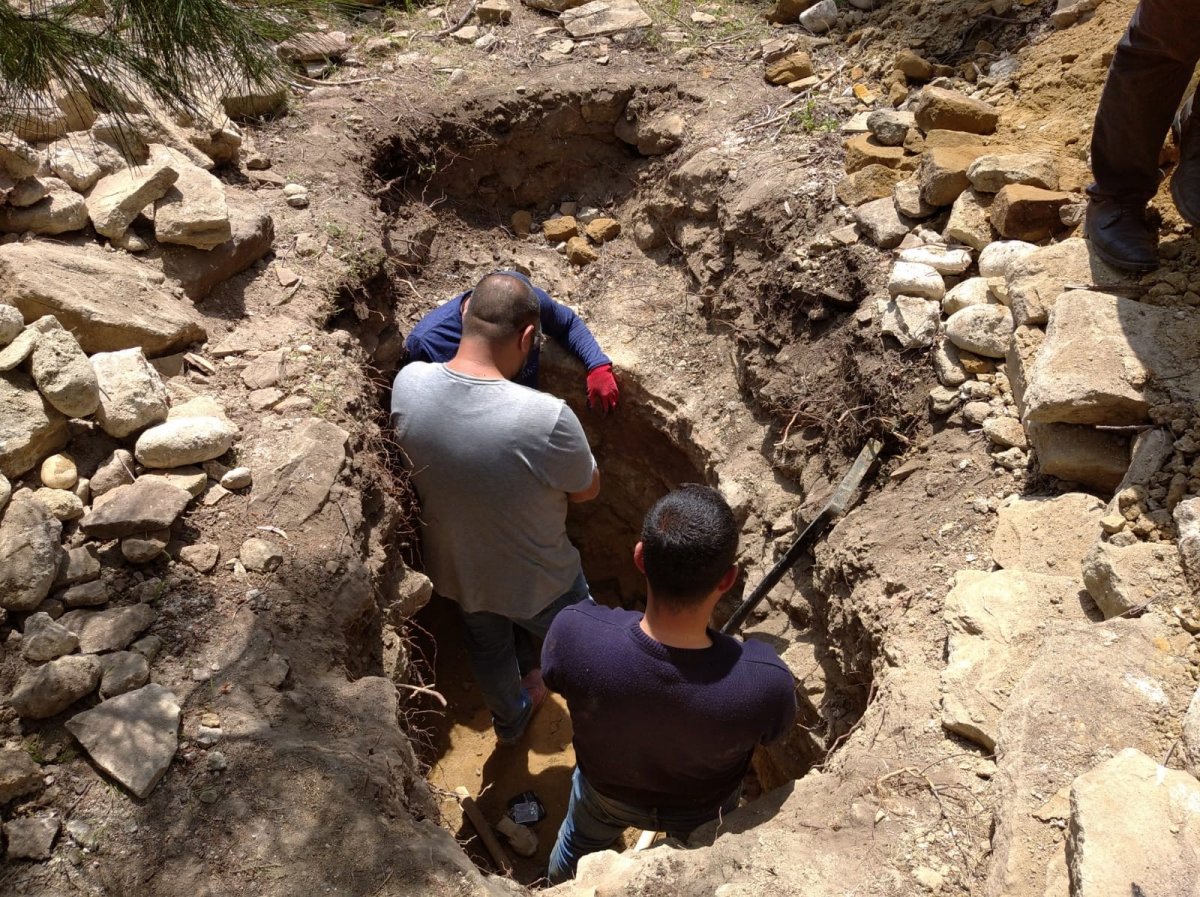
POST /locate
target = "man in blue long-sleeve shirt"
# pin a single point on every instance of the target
(437, 335)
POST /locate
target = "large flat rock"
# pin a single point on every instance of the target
(146, 505)
(995, 621)
(198, 271)
(299, 473)
(1036, 281)
(604, 17)
(108, 630)
(1093, 688)
(132, 737)
(42, 278)
(1103, 357)
(1047, 535)
(1135, 829)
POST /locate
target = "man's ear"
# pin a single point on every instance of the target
(462, 309)
(639, 558)
(728, 580)
(528, 335)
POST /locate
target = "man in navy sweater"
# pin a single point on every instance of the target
(666, 711)
(436, 337)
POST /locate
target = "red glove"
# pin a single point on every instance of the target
(602, 389)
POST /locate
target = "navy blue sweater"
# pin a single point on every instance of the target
(437, 335)
(661, 727)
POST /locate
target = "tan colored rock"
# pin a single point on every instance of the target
(1021, 212)
(914, 66)
(991, 172)
(981, 329)
(1122, 578)
(75, 162)
(46, 278)
(17, 158)
(184, 441)
(59, 472)
(30, 428)
(790, 68)
(62, 371)
(881, 223)
(1047, 535)
(560, 229)
(1005, 432)
(522, 223)
(601, 17)
(494, 12)
(1036, 281)
(908, 201)
(968, 223)
(144, 506)
(193, 211)
(53, 687)
(579, 252)
(866, 184)
(943, 173)
(1096, 459)
(61, 503)
(938, 108)
(601, 230)
(199, 271)
(62, 211)
(30, 554)
(120, 197)
(133, 395)
(863, 150)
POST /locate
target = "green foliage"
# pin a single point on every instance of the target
(809, 120)
(174, 50)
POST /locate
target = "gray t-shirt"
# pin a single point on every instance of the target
(492, 463)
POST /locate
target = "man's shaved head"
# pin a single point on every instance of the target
(501, 306)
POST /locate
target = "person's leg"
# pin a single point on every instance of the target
(491, 653)
(1149, 73)
(679, 824)
(529, 655)
(592, 823)
(540, 624)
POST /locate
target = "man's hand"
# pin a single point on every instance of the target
(602, 388)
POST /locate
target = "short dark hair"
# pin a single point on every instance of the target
(501, 306)
(689, 541)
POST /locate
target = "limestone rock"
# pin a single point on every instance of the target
(61, 503)
(199, 271)
(19, 775)
(916, 279)
(58, 472)
(938, 108)
(30, 553)
(1134, 827)
(108, 630)
(982, 329)
(995, 621)
(75, 163)
(990, 173)
(133, 395)
(972, 291)
(1005, 432)
(947, 363)
(145, 506)
(1187, 522)
(1037, 281)
(183, 441)
(1047, 535)
(881, 223)
(142, 548)
(1191, 740)
(30, 428)
(792, 67)
(12, 322)
(116, 470)
(998, 258)
(121, 672)
(913, 321)
(48, 278)
(260, 556)
(193, 211)
(191, 479)
(944, 261)
(120, 197)
(1122, 578)
(78, 565)
(86, 594)
(5, 491)
(31, 837)
(17, 157)
(908, 201)
(494, 12)
(237, 478)
(943, 173)
(968, 222)
(1093, 458)
(62, 211)
(315, 46)
(1100, 355)
(53, 687)
(45, 639)
(202, 557)
(132, 737)
(600, 17)
(1028, 213)
(298, 474)
(25, 193)
(62, 373)
(820, 17)
(863, 150)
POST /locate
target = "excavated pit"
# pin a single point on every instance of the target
(449, 187)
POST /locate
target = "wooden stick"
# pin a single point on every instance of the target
(487, 836)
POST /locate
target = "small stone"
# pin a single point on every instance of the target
(889, 126)
(142, 548)
(121, 672)
(30, 554)
(148, 646)
(260, 556)
(31, 837)
(947, 363)
(522, 223)
(19, 775)
(863, 150)
(968, 222)
(820, 17)
(580, 253)
(83, 834)
(866, 184)
(559, 229)
(944, 261)
(87, 594)
(44, 639)
(915, 279)
(298, 201)
(601, 230)
(1028, 213)
(237, 478)
(943, 173)
(939, 109)
(286, 276)
(149, 504)
(201, 557)
(908, 201)
(79, 565)
(792, 67)
(116, 471)
(53, 687)
(109, 630)
(207, 736)
(942, 400)
(61, 503)
(59, 472)
(494, 12)
(132, 393)
(991, 173)
(1006, 432)
(881, 223)
(998, 258)
(982, 329)
(264, 399)
(914, 66)
(184, 441)
(913, 321)
(12, 322)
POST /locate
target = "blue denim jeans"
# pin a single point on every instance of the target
(594, 822)
(499, 654)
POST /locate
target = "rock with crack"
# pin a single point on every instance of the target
(1102, 355)
(53, 687)
(30, 428)
(1047, 535)
(199, 271)
(1123, 578)
(43, 278)
(995, 621)
(146, 505)
(109, 630)
(600, 17)
(120, 197)
(193, 211)
(1134, 828)
(298, 473)
(30, 553)
(132, 737)
(1090, 688)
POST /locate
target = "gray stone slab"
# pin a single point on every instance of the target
(132, 737)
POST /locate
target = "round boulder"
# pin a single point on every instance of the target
(982, 329)
(183, 441)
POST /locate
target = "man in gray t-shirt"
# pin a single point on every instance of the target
(494, 465)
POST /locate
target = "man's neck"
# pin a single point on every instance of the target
(475, 358)
(678, 629)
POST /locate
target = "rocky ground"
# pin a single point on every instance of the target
(792, 232)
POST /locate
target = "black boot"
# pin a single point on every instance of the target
(1185, 182)
(1120, 234)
